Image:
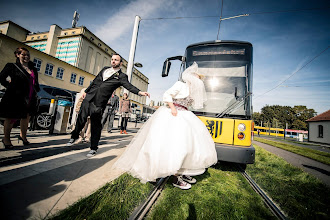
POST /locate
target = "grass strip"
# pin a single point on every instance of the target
(220, 193)
(298, 194)
(320, 156)
(115, 200)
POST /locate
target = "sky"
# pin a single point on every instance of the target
(283, 43)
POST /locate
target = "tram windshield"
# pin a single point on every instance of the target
(227, 82)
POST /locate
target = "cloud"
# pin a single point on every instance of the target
(123, 20)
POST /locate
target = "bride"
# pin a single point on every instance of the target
(173, 141)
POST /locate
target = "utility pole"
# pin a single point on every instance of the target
(133, 47)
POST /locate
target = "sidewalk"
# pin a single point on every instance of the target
(39, 180)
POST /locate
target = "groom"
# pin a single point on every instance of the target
(96, 97)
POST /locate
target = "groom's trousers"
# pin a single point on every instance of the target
(95, 113)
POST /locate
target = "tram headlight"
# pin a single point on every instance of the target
(241, 127)
(241, 136)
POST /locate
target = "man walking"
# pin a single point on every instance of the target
(96, 97)
(110, 111)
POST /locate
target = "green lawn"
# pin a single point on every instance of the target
(299, 194)
(320, 156)
(220, 193)
(115, 200)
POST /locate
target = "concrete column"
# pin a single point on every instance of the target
(52, 40)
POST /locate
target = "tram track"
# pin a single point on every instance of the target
(141, 211)
(267, 200)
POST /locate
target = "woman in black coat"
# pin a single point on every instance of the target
(20, 99)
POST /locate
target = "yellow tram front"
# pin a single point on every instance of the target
(227, 114)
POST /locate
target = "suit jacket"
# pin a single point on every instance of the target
(14, 102)
(100, 91)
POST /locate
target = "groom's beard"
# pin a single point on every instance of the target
(116, 66)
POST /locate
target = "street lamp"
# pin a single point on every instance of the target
(138, 65)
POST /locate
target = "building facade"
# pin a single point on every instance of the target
(65, 58)
(319, 128)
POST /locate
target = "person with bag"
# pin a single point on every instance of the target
(125, 111)
(110, 111)
(85, 133)
(20, 100)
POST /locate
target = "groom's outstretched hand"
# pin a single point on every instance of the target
(144, 94)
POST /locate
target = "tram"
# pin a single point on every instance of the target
(278, 132)
(227, 114)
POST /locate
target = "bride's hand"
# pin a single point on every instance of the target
(174, 111)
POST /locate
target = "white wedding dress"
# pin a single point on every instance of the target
(168, 145)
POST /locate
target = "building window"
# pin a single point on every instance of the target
(73, 78)
(38, 37)
(49, 69)
(37, 63)
(91, 38)
(99, 44)
(45, 36)
(320, 131)
(59, 74)
(106, 49)
(73, 32)
(66, 33)
(81, 81)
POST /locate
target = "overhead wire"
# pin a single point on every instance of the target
(220, 21)
(217, 16)
(311, 60)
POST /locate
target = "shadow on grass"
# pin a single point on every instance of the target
(318, 169)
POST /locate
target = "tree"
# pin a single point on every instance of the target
(256, 117)
(281, 115)
(299, 125)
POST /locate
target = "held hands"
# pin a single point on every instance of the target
(144, 94)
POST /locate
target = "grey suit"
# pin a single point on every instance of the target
(110, 111)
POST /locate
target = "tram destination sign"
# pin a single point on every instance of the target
(219, 52)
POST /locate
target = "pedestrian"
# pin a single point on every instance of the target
(174, 141)
(20, 100)
(258, 132)
(85, 133)
(125, 112)
(110, 111)
(96, 97)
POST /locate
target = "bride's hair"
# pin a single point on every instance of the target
(196, 86)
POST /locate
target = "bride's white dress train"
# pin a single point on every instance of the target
(167, 145)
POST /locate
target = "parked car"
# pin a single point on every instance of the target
(43, 119)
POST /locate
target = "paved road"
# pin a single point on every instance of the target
(315, 168)
(315, 146)
(39, 180)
